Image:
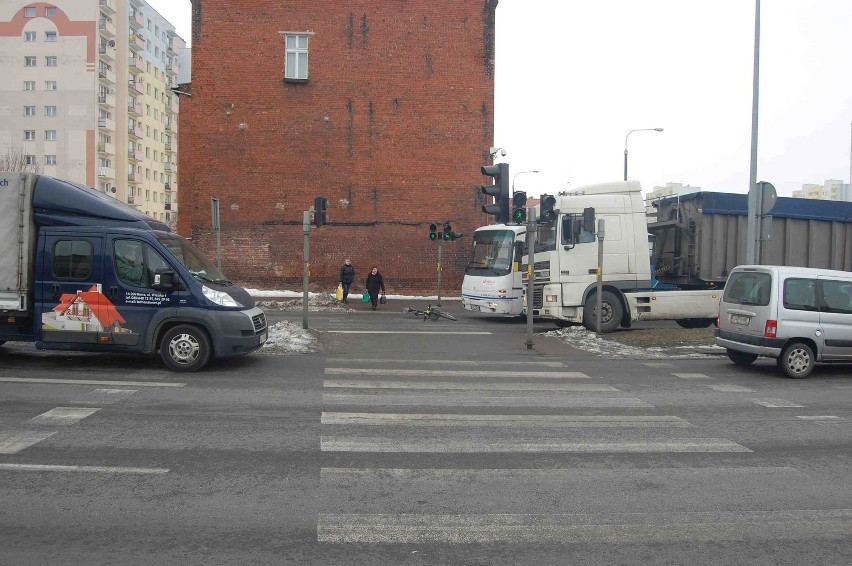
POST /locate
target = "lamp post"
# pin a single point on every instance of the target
(519, 173)
(625, 144)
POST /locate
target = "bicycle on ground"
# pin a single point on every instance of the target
(430, 313)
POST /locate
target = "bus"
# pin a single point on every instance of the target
(493, 281)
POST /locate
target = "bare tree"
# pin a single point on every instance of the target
(16, 160)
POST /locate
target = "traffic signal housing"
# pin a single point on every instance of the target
(519, 201)
(433, 232)
(320, 214)
(499, 190)
(547, 214)
(448, 232)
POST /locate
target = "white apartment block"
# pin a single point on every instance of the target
(87, 95)
(832, 189)
(659, 192)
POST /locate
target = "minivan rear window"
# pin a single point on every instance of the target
(748, 288)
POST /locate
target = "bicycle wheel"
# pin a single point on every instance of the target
(447, 315)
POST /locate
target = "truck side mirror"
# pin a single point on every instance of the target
(589, 220)
(164, 280)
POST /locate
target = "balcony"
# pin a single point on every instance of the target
(135, 178)
(105, 100)
(106, 148)
(134, 110)
(106, 52)
(168, 188)
(106, 124)
(136, 20)
(167, 206)
(168, 125)
(168, 146)
(106, 76)
(105, 173)
(135, 133)
(133, 155)
(136, 3)
(131, 200)
(107, 28)
(168, 166)
(136, 64)
(107, 7)
(135, 87)
(136, 41)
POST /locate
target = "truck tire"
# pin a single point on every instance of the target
(741, 358)
(797, 360)
(185, 348)
(695, 322)
(611, 308)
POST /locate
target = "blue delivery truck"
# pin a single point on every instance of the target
(80, 270)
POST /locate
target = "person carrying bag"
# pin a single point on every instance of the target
(374, 284)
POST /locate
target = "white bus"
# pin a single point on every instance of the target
(493, 281)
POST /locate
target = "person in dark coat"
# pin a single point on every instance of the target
(374, 283)
(347, 276)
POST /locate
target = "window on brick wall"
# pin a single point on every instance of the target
(295, 56)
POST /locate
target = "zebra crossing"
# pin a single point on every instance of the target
(375, 414)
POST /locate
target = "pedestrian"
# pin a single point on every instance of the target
(374, 283)
(347, 276)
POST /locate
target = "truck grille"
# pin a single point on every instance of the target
(538, 297)
(259, 322)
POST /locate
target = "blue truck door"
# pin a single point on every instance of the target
(70, 306)
(129, 268)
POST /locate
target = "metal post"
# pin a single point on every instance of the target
(600, 273)
(440, 270)
(531, 224)
(214, 208)
(306, 276)
(752, 244)
(625, 160)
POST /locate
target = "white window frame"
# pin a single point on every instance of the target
(50, 12)
(29, 110)
(50, 135)
(30, 36)
(50, 160)
(30, 61)
(51, 86)
(29, 135)
(51, 61)
(29, 85)
(296, 56)
(30, 12)
(51, 36)
(30, 159)
(50, 110)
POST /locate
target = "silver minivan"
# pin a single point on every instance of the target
(797, 315)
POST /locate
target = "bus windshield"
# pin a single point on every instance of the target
(492, 253)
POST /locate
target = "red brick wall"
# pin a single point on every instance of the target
(392, 127)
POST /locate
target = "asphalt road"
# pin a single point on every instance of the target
(411, 442)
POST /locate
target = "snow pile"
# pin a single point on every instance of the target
(289, 338)
(582, 339)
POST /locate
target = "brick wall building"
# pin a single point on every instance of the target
(384, 107)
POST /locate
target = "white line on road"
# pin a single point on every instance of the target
(432, 419)
(456, 386)
(774, 403)
(88, 382)
(819, 418)
(456, 373)
(730, 388)
(63, 416)
(478, 446)
(692, 376)
(834, 524)
(402, 332)
(98, 469)
(442, 362)
(12, 442)
(478, 400)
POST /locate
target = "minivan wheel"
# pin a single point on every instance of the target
(185, 348)
(741, 358)
(797, 360)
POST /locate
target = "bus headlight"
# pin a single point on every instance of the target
(550, 298)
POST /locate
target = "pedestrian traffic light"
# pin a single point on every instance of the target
(547, 214)
(519, 214)
(448, 232)
(320, 214)
(499, 190)
(433, 232)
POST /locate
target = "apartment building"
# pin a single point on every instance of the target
(832, 189)
(658, 192)
(87, 96)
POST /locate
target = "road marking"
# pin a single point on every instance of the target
(12, 442)
(442, 362)
(404, 332)
(478, 400)
(730, 388)
(106, 396)
(456, 373)
(692, 376)
(658, 364)
(453, 385)
(89, 382)
(411, 528)
(62, 416)
(819, 418)
(774, 403)
(97, 469)
(432, 420)
(480, 446)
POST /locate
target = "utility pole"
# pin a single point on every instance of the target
(531, 226)
(306, 275)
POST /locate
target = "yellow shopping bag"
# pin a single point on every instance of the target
(339, 293)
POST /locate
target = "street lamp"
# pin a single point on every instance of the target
(515, 175)
(625, 144)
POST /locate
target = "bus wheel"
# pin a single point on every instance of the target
(611, 312)
(185, 348)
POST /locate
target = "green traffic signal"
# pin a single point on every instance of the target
(448, 232)
(433, 232)
(519, 216)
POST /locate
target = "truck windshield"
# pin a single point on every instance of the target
(491, 253)
(197, 263)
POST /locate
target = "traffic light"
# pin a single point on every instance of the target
(448, 232)
(547, 214)
(499, 190)
(320, 214)
(519, 214)
(433, 232)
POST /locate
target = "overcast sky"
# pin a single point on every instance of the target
(573, 77)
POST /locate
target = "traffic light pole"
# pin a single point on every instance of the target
(440, 269)
(531, 225)
(306, 276)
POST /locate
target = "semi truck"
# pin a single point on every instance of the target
(693, 244)
(80, 270)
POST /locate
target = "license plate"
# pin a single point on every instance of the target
(740, 319)
(263, 338)
(473, 307)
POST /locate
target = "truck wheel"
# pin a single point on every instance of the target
(611, 312)
(741, 358)
(185, 348)
(797, 360)
(695, 322)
